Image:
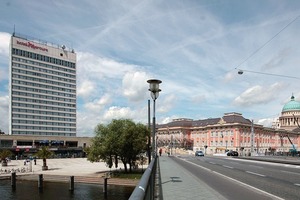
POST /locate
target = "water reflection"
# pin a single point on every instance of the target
(60, 191)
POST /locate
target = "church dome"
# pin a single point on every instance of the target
(292, 105)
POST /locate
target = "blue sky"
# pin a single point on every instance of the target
(194, 47)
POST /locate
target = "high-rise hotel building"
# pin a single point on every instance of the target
(42, 88)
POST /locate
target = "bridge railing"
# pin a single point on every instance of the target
(145, 188)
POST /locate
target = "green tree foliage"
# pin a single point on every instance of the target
(120, 140)
(3, 155)
(44, 153)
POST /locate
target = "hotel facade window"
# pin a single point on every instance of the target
(42, 88)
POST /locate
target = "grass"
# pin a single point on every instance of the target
(135, 174)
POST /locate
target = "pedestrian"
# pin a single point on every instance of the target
(160, 151)
(34, 161)
(24, 162)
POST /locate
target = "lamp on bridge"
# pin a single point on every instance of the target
(154, 92)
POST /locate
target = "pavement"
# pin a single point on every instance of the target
(61, 169)
(63, 166)
(178, 183)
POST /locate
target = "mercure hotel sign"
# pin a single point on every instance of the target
(31, 45)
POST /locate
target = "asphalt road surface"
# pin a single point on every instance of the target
(245, 179)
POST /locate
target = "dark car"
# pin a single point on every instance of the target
(199, 153)
(232, 153)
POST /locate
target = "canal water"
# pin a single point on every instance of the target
(60, 191)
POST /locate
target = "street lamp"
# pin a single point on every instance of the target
(241, 72)
(154, 92)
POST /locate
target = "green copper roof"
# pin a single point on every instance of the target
(291, 105)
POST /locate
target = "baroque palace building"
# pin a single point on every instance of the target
(234, 132)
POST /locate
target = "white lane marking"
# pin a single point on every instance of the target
(269, 163)
(297, 184)
(290, 172)
(244, 184)
(249, 172)
(256, 166)
(212, 163)
(227, 166)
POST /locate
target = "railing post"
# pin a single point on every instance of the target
(40, 182)
(105, 186)
(71, 183)
(105, 178)
(13, 180)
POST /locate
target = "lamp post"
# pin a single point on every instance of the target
(241, 72)
(154, 92)
(252, 138)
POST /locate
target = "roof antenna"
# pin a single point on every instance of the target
(14, 30)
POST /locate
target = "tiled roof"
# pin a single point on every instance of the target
(227, 118)
(206, 122)
(236, 119)
(183, 123)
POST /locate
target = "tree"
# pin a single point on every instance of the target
(44, 153)
(120, 140)
(3, 155)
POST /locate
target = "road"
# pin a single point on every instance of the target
(245, 179)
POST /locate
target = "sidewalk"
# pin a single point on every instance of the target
(178, 183)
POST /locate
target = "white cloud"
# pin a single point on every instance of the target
(4, 43)
(230, 76)
(4, 102)
(199, 98)
(267, 122)
(116, 112)
(135, 86)
(166, 104)
(168, 119)
(86, 88)
(97, 68)
(257, 95)
(88, 120)
(98, 105)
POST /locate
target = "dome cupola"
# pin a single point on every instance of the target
(292, 105)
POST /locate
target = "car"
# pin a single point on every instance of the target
(199, 153)
(232, 153)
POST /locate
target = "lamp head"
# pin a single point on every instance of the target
(240, 72)
(154, 88)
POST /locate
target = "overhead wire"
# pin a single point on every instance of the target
(257, 50)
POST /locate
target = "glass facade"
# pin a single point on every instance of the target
(42, 89)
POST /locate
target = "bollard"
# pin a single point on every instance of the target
(71, 188)
(13, 180)
(107, 176)
(40, 182)
(105, 186)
